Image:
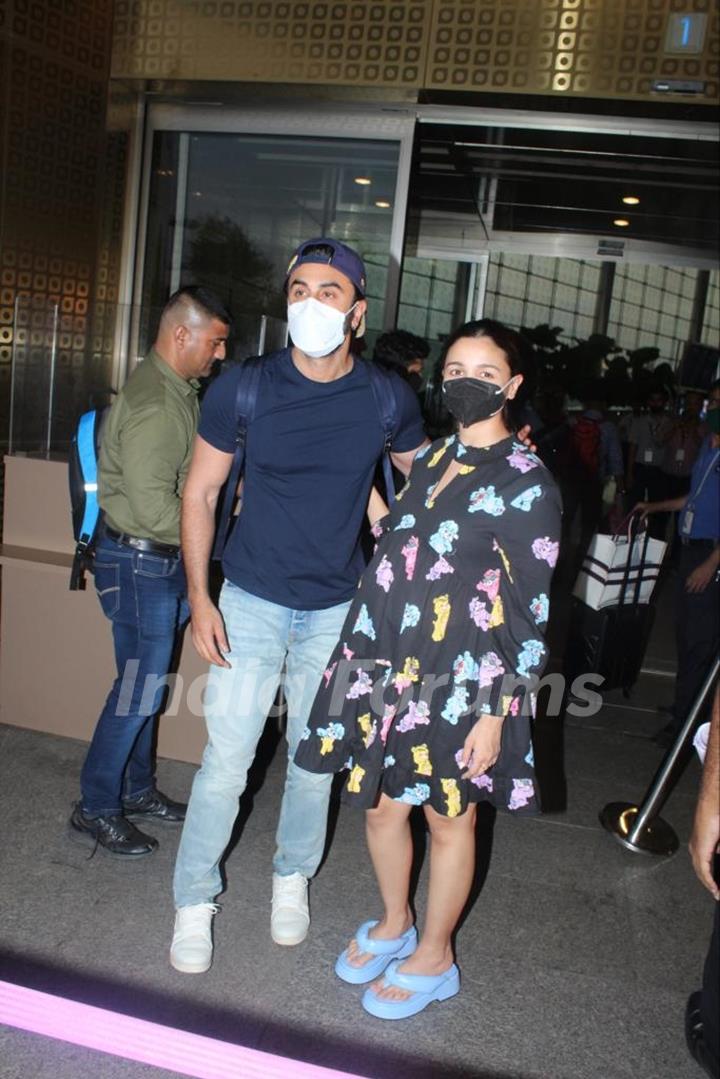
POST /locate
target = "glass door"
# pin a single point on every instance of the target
(225, 208)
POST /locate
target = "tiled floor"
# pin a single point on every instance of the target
(577, 956)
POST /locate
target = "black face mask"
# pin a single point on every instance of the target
(471, 400)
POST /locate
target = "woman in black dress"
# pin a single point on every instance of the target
(428, 696)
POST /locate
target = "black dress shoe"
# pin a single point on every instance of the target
(156, 806)
(695, 1037)
(115, 833)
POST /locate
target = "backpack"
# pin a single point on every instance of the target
(381, 382)
(586, 445)
(83, 480)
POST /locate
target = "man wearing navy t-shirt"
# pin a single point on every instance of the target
(291, 567)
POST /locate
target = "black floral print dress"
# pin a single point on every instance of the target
(447, 624)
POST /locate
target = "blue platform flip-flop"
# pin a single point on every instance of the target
(425, 989)
(384, 951)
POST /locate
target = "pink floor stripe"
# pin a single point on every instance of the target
(148, 1043)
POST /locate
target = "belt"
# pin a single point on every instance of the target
(139, 544)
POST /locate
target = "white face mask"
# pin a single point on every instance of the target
(316, 328)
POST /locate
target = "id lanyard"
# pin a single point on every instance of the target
(689, 513)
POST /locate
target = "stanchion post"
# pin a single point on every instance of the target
(639, 828)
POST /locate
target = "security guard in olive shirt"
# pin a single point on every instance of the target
(139, 575)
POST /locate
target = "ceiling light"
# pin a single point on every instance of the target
(621, 222)
(631, 200)
(364, 181)
(382, 204)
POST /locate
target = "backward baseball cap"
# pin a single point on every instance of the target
(333, 253)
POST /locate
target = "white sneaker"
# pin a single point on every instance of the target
(192, 948)
(290, 918)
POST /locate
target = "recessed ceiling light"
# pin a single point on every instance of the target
(631, 200)
(382, 204)
(364, 181)
(621, 222)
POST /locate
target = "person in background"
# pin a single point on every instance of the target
(139, 575)
(405, 353)
(702, 1014)
(697, 606)
(592, 457)
(552, 436)
(624, 427)
(645, 480)
(682, 447)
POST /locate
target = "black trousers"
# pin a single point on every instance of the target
(697, 628)
(583, 496)
(650, 485)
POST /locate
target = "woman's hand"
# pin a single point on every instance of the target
(482, 746)
(643, 508)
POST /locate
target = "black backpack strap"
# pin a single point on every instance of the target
(245, 402)
(381, 382)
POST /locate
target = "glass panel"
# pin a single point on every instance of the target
(651, 307)
(61, 365)
(49, 390)
(242, 203)
(540, 289)
(433, 300)
(711, 320)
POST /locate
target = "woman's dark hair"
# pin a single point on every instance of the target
(517, 353)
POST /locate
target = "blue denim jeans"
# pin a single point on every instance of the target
(263, 638)
(144, 596)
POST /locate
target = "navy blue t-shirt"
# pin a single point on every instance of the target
(310, 460)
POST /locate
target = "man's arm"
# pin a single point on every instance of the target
(377, 506)
(209, 469)
(668, 505)
(706, 829)
(403, 461)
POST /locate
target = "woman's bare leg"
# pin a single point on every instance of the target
(390, 844)
(452, 867)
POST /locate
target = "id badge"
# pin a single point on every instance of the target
(680, 456)
(687, 522)
(648, 457)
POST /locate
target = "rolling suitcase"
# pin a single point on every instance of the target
(612, 641)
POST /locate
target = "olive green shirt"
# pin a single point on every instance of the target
(146, 448)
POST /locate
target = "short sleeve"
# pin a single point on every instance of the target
(409, 431)
(218, 422)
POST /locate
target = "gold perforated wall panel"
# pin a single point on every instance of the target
(54, 71)
(596, 48)
(342, 43)
(593, 48)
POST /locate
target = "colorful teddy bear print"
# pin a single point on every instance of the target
(456, 602)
